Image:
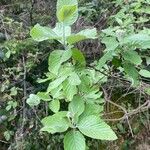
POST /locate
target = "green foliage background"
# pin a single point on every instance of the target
(23, 61)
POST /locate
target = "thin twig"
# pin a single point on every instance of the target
(126, 114)
(2, 141)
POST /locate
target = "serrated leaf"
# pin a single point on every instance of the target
(57, 93)
(56, 123)
(111, 43)
(67, 11)
(66, 55)
(39, 33)
(54, 61)
(68, 14)
(93, 94)
(109, 31)
(132, 56)
(66, 69)
(107, 57)
(56, 58)
(85, 85)
(69, 90)
(74, 79)
(61, 3)
(74, 140)
(82, 35)
(43, 96)
(145, 73)
(94, 127)
(78, 57)
(60, 31)
(76, 106)
(54, 84)
(92, 109)
(54, 106)
(131, 72)
(140, 39)
(33, 100)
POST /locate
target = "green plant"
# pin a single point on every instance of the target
(127, 42)
(72, 83)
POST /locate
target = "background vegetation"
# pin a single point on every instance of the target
(23, 61)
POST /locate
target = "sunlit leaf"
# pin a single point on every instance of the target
(39, 33)
(33, 100)
(67, 11)
(54, 105)
(82, 35)
(145, 73)
(94, 127)
(55, 123)
(133, 57)
(74, 140)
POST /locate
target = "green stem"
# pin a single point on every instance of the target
(64, 36)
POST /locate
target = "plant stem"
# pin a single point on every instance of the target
(64, 37)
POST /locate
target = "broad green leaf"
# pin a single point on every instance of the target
(78, 57)
(131, 72)
(74, 140)
(96, 76)
(92, 109)
(54, 84)
(54, 106)
(132, 56)
(145, 73)
(109, 31)
(39, 33)
(82, 35)
(107, 57)
(57, 93)
(60, 31)
(43, 96)
(69, 90)
(67, 11)
(66, 69)
(33, 100)
(111, 43)
(94, 127)
(55, 123)
(68, 14)
(56, 58)
(66, 55)
(140, 39)
(61, 3)
(93, 94)
(85, 85)
(54, 61)
(74, 79)
(76, 106)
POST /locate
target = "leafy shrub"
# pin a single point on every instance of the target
(71, 82)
